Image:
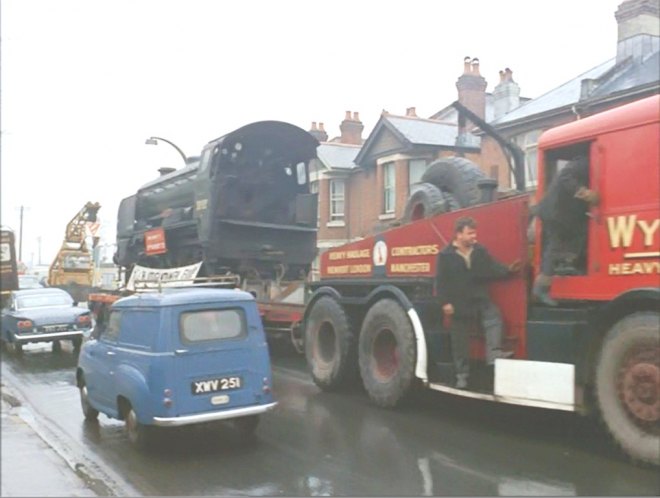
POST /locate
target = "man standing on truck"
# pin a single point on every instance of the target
(563, 212)
(463, 268)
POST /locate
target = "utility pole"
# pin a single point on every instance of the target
(20, 238)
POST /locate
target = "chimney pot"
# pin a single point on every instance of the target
(314, 125)
(410, 111)
(475, 66)
(321, 128)
(501, 76)
(466, 65)
(348, 116)
(356, 116)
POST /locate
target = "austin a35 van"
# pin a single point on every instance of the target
(177, 357)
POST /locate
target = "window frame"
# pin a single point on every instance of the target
(333, 198)
(242, 316)
(389, 191)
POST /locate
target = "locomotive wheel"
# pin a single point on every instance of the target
(387, 353)
(428, 200)
(628, 385)
(330, 346)
(457, 176)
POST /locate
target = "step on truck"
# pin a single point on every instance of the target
(374, 313)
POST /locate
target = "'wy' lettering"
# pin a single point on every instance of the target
(622, 229)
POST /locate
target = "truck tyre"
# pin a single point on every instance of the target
(428, 200)
(456, 176)
(628, 385)
(330, 345)
(387, 353)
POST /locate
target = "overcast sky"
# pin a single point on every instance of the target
(85, 82)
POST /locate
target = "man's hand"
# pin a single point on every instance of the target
(515, 266)
(448, 309)
(589, 196)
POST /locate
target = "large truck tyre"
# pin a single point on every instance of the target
(456, 176)
(330, 345)
(628, 385)
(428, 200)
(387, 353)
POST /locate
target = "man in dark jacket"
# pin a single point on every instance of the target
(563, 213)
(463, 268)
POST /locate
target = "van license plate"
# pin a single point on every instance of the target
(215, 385)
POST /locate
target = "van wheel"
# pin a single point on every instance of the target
(457, 176)
(330, 346)
(15, 347)
(57, 347)
(90, 413)
(628, 385)
(428, 200)
(138, 434)
(387, 353)
(247, 425)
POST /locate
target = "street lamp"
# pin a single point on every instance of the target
(154, 141)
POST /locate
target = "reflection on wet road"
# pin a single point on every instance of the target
(318, 443)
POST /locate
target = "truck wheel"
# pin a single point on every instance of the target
(387, 353)
(138, 434)
(428, 200)
(628, 385)
(457, 176)
(90, 413)
(330, 345)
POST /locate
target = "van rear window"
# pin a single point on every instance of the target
(212, 325)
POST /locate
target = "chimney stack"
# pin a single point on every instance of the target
(412, 112)
(506, 95)
(318, 132)
(351, 129)
(638, 29)
(471, 88)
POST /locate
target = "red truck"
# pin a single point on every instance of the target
(374, 313)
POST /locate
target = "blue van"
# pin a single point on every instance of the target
(177, 357)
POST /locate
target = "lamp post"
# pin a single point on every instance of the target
(154, 141)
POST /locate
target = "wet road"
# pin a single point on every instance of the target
(318, 443)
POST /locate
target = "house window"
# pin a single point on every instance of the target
(389, 186)
(416, 169)
(529, 144)
(336, 200)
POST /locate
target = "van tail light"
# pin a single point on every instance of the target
(84, 320)
(167, 400)
(24, 324)
(266, 386)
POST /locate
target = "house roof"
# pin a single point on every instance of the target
(633, 73)
(338, 156)
(564, 95)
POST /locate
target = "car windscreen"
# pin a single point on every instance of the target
(43, 300)
(212, 325)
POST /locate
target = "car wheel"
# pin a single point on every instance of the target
(76, 343)
(247, 425)
(89, 412)
(138, 434)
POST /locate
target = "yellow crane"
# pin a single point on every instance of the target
(73, 266)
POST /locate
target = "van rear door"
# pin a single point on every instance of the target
(220, 359)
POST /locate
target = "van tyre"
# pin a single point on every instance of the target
(246, 425)
(387, 353)
(456, 176)
(89, 412)
(428, 200)
(330, 345)
(139, 435)
(628, 385)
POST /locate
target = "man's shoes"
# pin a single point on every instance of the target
(500, 354)
(541, 294)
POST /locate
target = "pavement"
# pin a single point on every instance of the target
(29, 466)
